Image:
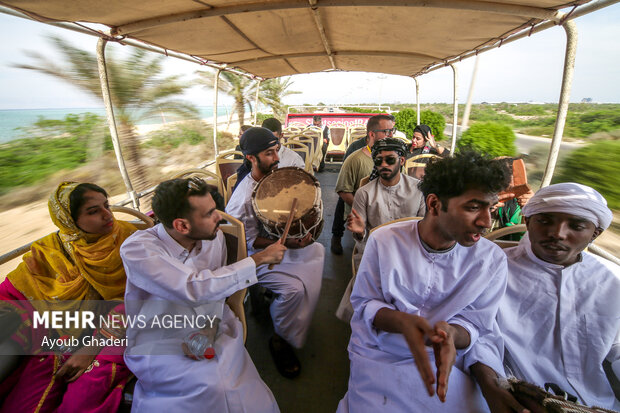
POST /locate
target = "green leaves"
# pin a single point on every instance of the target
(595, 165)
(491, 138)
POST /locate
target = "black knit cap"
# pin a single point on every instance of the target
(389, 144)
(255, 140)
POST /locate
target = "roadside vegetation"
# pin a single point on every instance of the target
(55, 150)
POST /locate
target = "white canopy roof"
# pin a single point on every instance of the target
(274, 38)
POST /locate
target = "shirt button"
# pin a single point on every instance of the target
(247, 281)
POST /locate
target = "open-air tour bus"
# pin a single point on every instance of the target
(270, 39)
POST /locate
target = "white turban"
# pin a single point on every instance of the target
(571, 198)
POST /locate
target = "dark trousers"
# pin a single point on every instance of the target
(338, 224)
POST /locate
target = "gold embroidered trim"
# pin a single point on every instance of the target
(49, 386)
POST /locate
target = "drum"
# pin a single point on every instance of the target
(273, 197)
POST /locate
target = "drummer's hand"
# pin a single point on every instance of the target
(499, 399)
(355, 223)
(273, 254)
(295, 243)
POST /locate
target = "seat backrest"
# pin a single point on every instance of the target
(415, 165)
(337, 134)
(209, 177)
(309, 142)
(502, 232)
(364, 181)
(230, 184)
(225, 167)
(395, 221)
(302, 150)
(234, 233)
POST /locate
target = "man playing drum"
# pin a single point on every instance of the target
(296, 281)
(560, 317)
(425, 291)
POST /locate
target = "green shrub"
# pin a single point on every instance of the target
(494, 139)
(173, 135)
(48, 146)
(436, 122)
(261, 117)
(406, 121)
(595, 165)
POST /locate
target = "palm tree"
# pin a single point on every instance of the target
(272, 91)
(136, 89)
(240, 88)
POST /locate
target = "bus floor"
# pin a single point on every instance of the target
(324, 357)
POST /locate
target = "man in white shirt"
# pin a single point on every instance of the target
(179, 268)
(287, 156)
(434, 281)
(560, 317)
(391, 196)
(296, 281)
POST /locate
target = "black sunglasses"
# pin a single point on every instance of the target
(390, 160)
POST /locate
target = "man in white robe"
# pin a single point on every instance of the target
(296, 281)
(435, 282)
(179, 268)
(286, 155)
(391, 196)
(560, 317)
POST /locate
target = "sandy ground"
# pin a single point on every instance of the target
(27, 223)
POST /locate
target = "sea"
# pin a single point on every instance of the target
(12, 120)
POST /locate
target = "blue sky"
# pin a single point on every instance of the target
(526, 70)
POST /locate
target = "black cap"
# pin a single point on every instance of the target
(389, 144)
(255, 140)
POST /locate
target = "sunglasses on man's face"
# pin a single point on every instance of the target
(390, 160)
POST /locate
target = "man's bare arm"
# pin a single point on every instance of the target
(347, 197)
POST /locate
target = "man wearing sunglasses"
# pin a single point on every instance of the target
(391, 196)
(357, 166)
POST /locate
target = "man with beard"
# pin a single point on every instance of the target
(559, 320)
(425, 291)
(355, 167)
(296, 281)
(391, 196)
(178, 269)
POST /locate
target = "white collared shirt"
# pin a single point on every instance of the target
(558, 324)
(462, 286)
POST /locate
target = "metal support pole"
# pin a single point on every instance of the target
(567, 80)
(256, 103)
(417, 99)
(216, 86)
(465, 120)
(455, 109)
(107, 101)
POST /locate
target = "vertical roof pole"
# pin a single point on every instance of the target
(256, 103)
(417, 99)
(467, 111)
(455, 109)
(567, 79)
(107, 101)
(216, 89)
